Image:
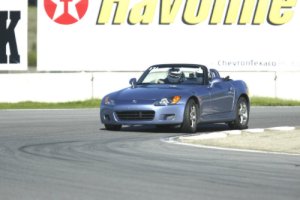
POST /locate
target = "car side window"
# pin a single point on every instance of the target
(212, 74)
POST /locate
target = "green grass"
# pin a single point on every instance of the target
(94, 103)
(267, 101)
(91, 103)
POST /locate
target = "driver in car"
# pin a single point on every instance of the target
(174, 76)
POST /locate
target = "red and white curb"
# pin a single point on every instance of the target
(224, 134)
(282, 128)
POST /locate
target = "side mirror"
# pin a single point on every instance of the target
(215, 81)
(132, 82)
(227, 78)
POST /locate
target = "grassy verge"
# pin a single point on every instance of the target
(94, 103)
(274, 141)
(91, 103)
(267, 101)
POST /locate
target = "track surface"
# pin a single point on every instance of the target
(66, 154)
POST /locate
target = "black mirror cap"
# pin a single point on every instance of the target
(132, 82)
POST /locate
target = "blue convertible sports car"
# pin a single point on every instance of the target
(178, 94)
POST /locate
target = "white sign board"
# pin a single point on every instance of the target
(129, 35)
(13, 35)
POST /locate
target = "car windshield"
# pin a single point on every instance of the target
(173, 75)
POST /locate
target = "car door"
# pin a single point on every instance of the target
(222, 97)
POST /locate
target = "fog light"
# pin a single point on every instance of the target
(170, 117)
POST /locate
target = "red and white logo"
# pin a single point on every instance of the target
(66, 11)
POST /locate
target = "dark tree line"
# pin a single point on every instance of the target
(32, 2)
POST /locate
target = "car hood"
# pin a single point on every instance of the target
(151, 92)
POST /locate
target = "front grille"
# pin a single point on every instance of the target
(135, 115)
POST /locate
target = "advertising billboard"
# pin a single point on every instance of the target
(130, 35)
(13, 35)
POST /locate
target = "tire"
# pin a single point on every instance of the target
(190, 117)
(111, 127)
(242, 115)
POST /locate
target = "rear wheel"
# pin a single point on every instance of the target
(242, 115)
(189, 124)
(112, 127)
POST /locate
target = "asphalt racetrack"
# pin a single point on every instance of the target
(66, 154)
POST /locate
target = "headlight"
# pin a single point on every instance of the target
(108, 101)
(168, 101)
(176, 99)
(163, 102)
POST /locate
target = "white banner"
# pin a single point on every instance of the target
(13, 34)
(130, 35)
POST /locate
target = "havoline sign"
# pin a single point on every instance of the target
(241, 12)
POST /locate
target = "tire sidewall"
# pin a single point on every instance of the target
(236, 124)
(186, 125)
(112, 127)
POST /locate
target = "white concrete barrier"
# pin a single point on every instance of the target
(259, 83)
(278, 84)
(61, 87)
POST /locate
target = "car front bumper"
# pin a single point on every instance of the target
(170, 114)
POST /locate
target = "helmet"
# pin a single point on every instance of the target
(174, 75)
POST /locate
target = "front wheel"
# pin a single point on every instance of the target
(189, 124)
(242, 115)
(112, 127)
